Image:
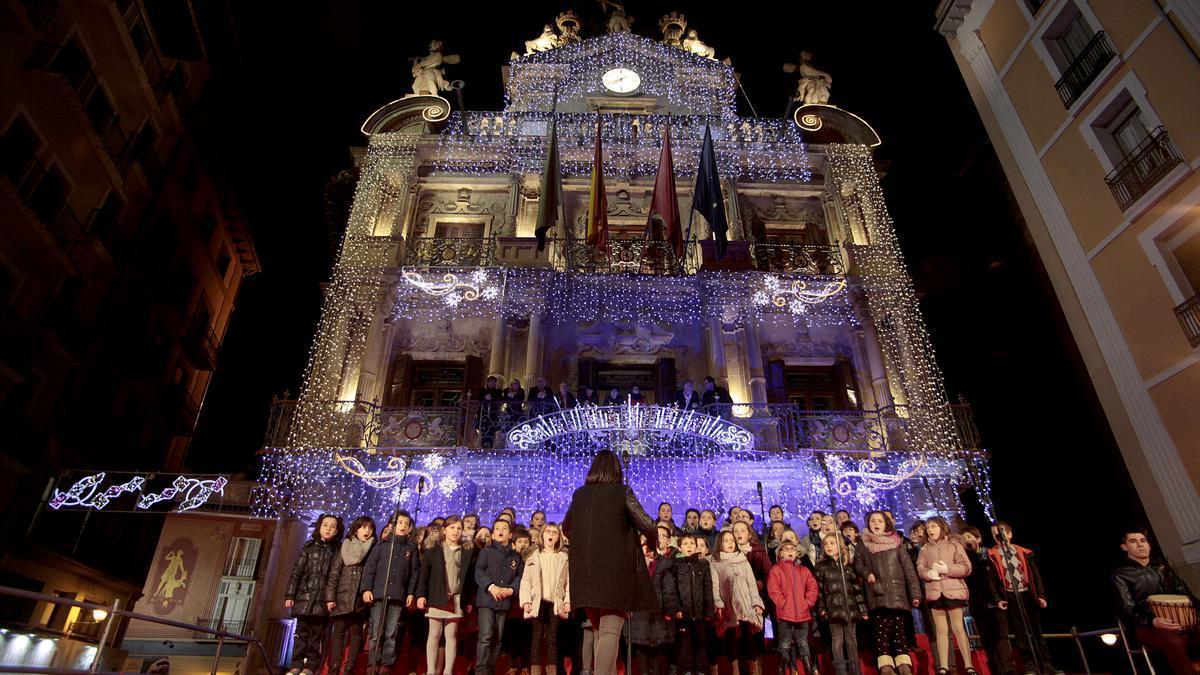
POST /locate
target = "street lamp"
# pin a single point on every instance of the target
(99, 615)
(1109, 639)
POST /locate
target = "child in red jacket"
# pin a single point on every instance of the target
(793, 589)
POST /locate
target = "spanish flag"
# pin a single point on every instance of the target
(597, 221)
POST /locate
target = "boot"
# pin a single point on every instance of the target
(904, 664)
(551, 670)
(714, 669)
(734, 667)
(755, 667)
(810, 665)
(887, 666)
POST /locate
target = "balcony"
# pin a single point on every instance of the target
(473, 424)
(632, 255)
(85, 630)
(200, 343)
(51, 58)
(241, 567)
(785, 258)
(1084, 69)
(1188, 313)
(238, 627)
(450, 252)
(1143, 167)
(55, 214)
(182, 411)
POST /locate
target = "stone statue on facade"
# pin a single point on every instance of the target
(429, 77)
(672, 26)
(692, 44)
(814, 84)
(618, 21)
(568, 28)
(543, 43)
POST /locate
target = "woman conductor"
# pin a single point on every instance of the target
(603, 524)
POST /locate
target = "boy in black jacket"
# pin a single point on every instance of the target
(986, 597)
(389, 581)
(498, 571)
(688, 598)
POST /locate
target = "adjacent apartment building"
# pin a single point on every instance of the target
(1092, 107)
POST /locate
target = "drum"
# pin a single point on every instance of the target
(1176, 608)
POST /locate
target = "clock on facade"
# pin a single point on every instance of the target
(621, 80)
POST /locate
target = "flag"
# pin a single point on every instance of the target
(550, 199)
(707, 198)
(664, 201)
(597, 221)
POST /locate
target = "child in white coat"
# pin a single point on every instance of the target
(546, 598)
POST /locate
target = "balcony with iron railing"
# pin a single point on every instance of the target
(1188, 313)
(200, 343)
(1084, 69)
(56, 215)
(1144, 166)
(789, 258)
(49, 57)
(633, 255)
(238, 626)
(475, 424)
(450, 252)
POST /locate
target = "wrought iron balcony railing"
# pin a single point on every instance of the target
(450, 252)
(1143, 167)
(78, 73)
(785, 258)
(478, 424)
(1084, 69)
(1188, 313)
(239, 626)
(201, 344)
(624, 254)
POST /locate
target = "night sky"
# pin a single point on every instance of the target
(288, 95)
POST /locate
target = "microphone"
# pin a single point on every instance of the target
(760, 488)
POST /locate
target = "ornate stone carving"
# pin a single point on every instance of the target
(673, 26)
(805, 349)
(814, 83)
(692, 44)
(568, 28)
(438, 338)
(462, 204)
(429, 76)
(543, 43)
(782, 210)
(625, 338)
(618, 21)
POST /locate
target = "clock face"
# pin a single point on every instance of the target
(621, 80)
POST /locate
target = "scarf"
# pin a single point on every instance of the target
(877, 543)
(734, 558)
(354, 550)
(745, 548)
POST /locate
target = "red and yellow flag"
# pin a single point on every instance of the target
(597, 219)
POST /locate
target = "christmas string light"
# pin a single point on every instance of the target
(667, 426)
(86, 492)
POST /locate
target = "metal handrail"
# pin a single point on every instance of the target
(221, 635)
(1143, 167)
(1084, 69)
(1188, 313)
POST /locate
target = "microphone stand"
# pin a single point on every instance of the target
(625, 461)
(1010, 565)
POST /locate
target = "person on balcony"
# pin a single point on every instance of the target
(614, 397)
(514, 404)
(636, 396)
(490, 398)
(588, 396)
(714, 395)
(565, 398)
(1135, 580)
(687, 398)
(541, 399)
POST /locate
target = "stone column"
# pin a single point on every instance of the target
(499, 354)
(716, 352)
(533, 350)
(879, 380)
(758, 379)
(862, 370)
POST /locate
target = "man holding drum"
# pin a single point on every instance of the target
(1155, 604)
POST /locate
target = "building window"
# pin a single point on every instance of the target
(1079, 52)
(1140, 153)
(243, 557)
(18, 154)
(437, 385)
(232, 605)
(106, 218)
(224, 260)
(1186, 255)
(1034, 5)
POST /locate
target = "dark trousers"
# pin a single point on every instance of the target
(689, 646)
(343, 625)
(889, 631)
(491, 631)
(306, 647)
(650, 660)
(385, 628)
(1174, 646)
(1033, 614)
(543, 648)
(791, 640)
(993, 632)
